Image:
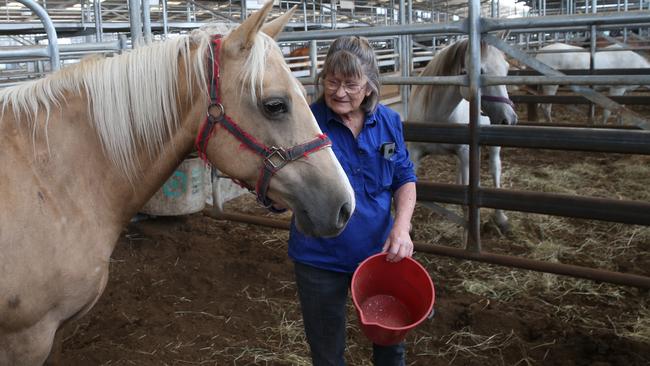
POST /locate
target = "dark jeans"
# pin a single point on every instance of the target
(323, 295)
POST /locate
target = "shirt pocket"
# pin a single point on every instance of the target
(348, 168)
(379, 176)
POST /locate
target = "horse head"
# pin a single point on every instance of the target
(495, 102)
(260, 129)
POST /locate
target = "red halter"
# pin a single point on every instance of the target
(273, 158)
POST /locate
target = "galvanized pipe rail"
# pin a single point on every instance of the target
(576, 99)
(513, 80)
(584, 72)
(475, 196)
(68, 51)
(624, 279)
(474, 74)
(53, 43)
(608, 140)
(591, 208)
(599, 275)
(548, 23)
(576, 139)
(567, 80)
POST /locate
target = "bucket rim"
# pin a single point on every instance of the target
(357, 306)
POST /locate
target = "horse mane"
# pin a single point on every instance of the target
(132, 97)
(447, 62)
(451, 59)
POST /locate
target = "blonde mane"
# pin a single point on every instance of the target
(131, 97)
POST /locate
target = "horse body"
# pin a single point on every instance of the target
(580, 61)
(85, 148)
(59, 224)
(448, 104)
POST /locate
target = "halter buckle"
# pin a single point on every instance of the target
(277, 158)
(216, 111)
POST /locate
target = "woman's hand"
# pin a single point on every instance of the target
(398, 245)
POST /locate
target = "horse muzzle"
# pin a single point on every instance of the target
(315, 224)
(322, 200)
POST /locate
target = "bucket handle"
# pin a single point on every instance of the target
(433, 312)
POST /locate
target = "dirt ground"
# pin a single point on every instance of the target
(193, 290)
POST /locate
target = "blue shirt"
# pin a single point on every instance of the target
(375, 173)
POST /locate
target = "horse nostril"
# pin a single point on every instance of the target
(344, 215)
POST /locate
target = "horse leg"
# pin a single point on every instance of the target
(546, 107)
(28, 347)
(415, 154)
(495, 169)
(462, 153)
(613, 91)
(56, 353)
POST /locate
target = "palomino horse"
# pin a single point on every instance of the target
(83, 149)
(448, 104)
(580, 61)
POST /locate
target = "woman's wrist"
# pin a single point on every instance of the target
(402, 225)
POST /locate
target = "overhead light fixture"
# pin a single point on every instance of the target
(13, 6)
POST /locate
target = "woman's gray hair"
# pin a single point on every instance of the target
(353, 57)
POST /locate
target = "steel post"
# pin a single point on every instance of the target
(474, 74)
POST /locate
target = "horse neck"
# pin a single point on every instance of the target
(63, 163)
(434, 103)
(157, 168)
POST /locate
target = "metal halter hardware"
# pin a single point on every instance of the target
(273, 158)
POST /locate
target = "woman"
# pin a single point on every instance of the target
(367, 139)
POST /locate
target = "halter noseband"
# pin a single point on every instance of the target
(493, 98)
(273, 158)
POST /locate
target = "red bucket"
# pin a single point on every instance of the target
(391, 298)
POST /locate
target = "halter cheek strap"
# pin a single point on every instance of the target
(273, 158)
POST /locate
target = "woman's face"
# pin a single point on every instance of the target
(345, 95)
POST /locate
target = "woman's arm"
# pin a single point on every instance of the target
(398, 244)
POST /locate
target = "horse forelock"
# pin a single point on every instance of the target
(254, 67)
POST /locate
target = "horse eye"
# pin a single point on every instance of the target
(275, 107)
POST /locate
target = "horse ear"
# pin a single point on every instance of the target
(275, 27)
(243, 37)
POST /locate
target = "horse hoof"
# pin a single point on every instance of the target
(504, 228)
(493, 227)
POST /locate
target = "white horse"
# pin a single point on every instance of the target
(448, 104)
(580, 61)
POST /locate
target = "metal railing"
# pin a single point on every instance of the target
(473, 195)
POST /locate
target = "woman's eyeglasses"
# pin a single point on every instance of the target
(350, 88)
